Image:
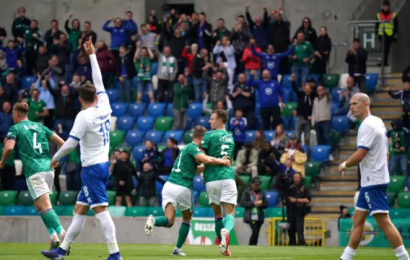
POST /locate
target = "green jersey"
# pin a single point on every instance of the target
(218, 143)
(32, 142)
(10, 160)
(185, 166)
(35, 106)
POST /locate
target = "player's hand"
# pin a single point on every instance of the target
(1, 165)
(89, 47)
(54, 164)
(226, 161)
(291, 199)
(341, 171)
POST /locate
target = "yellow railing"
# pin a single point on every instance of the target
(315, 230)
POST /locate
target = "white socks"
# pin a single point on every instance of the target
(348, 253)
(401, 253)
(73, 231)
(108, 228)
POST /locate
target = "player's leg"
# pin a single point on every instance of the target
(213, 189)
(168, 219)
(229, 197)
(185, 203)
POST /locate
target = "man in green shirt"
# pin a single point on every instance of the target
(301, 59)
(38, 108)
(181, 102)
(398, 153)
(177, 191)
(220, 181)
(32, 142)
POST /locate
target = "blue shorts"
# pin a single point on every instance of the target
(373, 199)
(93, 191)
(144, 86)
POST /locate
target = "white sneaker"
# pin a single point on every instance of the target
(149, 225)
(178, 251)
(222, 245)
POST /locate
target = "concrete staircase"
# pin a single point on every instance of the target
(335, 190)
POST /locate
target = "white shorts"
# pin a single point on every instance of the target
(223, 191)
(40, 183)
(179, 196)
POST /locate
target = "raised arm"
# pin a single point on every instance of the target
(95, 68)
(257, 54)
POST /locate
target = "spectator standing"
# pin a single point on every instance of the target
(202, 33)
(225, 54)
(62, 49)
(131, 27)
(247, 161)
(308, 31)
(33, 39)
(346, 95)
(406, 74)
(55, 69)
(123, 172)
(119, 34)
(240, 36)
(388, 29)
(324, 47)
(238, 125)
(301, 59)
(284, 180)
(6, 120)
(190, 56)
(3, 34)
(177, 44)
(106, 61)
(220, 31)
(146, 185)
(84, 69)
(3, 98)
(153, 25)
(321, 116)
(180, 103)
(356, 58)
(199, 67)
(51, 34)
(74, 33)
(224, 105)
(259, 27)
(254, 201)
(167, 71)
(243, 98)
(147, 38)
(8, 173)
(267, 164)
(399, 150)
(150, 154)
(218, 86)
(87, 33)
(169, 155)
(37, 108)
(65, 106)
(143, 65)
(259, 141)
(12, 54)
(280, 29)
(17, 29)
(296, 153)
(10, 86)
(42, 59)
(251, 61)
(47, 88)
(125, 71)
(344, 213)
(299, 198)
(404, 96)
(280, 140)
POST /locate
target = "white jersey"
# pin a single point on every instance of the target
(372, 136)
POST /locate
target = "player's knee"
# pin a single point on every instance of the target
(382, 220)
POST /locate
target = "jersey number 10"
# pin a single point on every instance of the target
(105, 130)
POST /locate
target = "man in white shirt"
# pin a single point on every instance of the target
(91, 130)
(372, 154)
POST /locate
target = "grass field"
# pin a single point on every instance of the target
(142, 252)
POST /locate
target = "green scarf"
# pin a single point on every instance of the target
(168, 66)
(143, 66)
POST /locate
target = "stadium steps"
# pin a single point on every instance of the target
(338, 185)
(324, 215)
(332, 202)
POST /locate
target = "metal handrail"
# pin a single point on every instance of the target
(366, 22)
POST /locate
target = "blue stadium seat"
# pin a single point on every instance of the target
(194, 110)
(137, 152)
(269, 135)
(316, 77)
(203, 121)
(288, 132)
(294, 123)
(259, 123)
(272, 197)
(320, 153)
(112, 95)
(154, 68)
(188, 124)
(30, 211)
(202, 212)
(286, 81)
(195, 195)
(158, 185)
(340, 123)
(20, 185)
(154, 136)
(285, 122)
(336, 92)
(371, 81)
(306, 148)
(286, 95)
(27, 81)
(250, 136)
(199, 184)
(125, 123)
(335, 106)
(137, 110)
(134, 137)
(156, 109)
(170, 109)
(119, 109)
(174, 134)
(14, 211)
(145, 123)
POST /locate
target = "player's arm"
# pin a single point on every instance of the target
(95, 68)
(7, 151)
(208, 160)
(57, 140)
(200, 169)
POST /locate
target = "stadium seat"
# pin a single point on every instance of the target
(194, 110)
(59, 210)
(24, 198)
(343, 80)
(30, 211)
(396, 183)
(330, 80)
(336, 92)
(199, 184)
(136, 212)
(119, 109)
(137, 110)
(187, 137)
(117, 211)
(203, 199)
(287, 95)
(134, 137)
(111, 197)
(289, 107)
(312, 168)
(403, 200)
(2, 210)
(272, 198)
(137, 152)
(371, 81)
(154, 136)
(202, 212)
(125, 123)
(155, 211)
(145, 123)
(203, 121)
(27, 81)
(320, 153)
(246, 179)
(276, 212)
(307, 182)
(68, 197)
(391, 196)
(341, 124)
(239, 211)
(53, 198)
(164, 123)
(20, 185)
(170, 110)
(286, 122)
(265, 182)
(289, 132)
(14, 211)
(294, 123)
(68, 211)
(250, 136)
(306, 149)
(116, 138)
(334, 107)
(286, 81)
(335, 138)
(399, 213)
(177, 135)
(316, 77)
(156, 109)
(112, 95)
(7, 197)
(269, 135)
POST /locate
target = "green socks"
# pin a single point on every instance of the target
(161, 222)
(50, 230)
(229, 222)
(219, 224)
(183, 233)
(53, 221)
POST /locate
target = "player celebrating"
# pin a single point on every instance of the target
(177, 192)
(219, 180)
(91, 130)
(32, 143)
(372, 154)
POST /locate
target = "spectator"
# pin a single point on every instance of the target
(74, 33)
(284, 180)
(106, 61)
(146, 185)
(123, 172)
(224, 105)
(243, 98)
(143, 64)
(346, 95)
(280, 29)
(10, 86)
(17, 29)
(237, 126)
(344, 213)
(296, 153)
(147, 38)
(321, 116)
(218, 86)
(47, 91)
(42, 59)
(259, 27)
(177, 44)
(65, 105)
(150, 154)
(254, 201)
(324, 47)
(221, 31)
(125, 71)
(199, 67)
(280, 140)
(169, 155)
(271, 60)
(240, 36)
(404, 96)
(62, 49)
(119, 35)
(6, 120)
(4, 70)
(8, 173)
(153, 23)
(167, 71)
(406, 75)
(202, 33)
(84, 69)
(304, 111)
(388, 29)
(226, 55)
(308, 31)
(3, 34)
(267, 164)
(247, 161)
(181, 24)
(270, 98)
(356, 58)
(12, 54)
(51, 34)
(251, 61)
(37, 108)
(3, 98)
(181, 91)
(56, 70)
(87, 33)
(190, 56)
(299, 198)
(398, 152)
(75, 84)
(259, 141)
(33, 39)
(131, 27)
(301, 59)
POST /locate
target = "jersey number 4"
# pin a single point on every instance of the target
(37, 145)
(105, 130)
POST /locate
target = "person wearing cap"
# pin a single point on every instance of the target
(321, 116)
(122, 172)
(247, 161)
(344, 213)
(388, 29)
(254, 201)
(296, 153)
